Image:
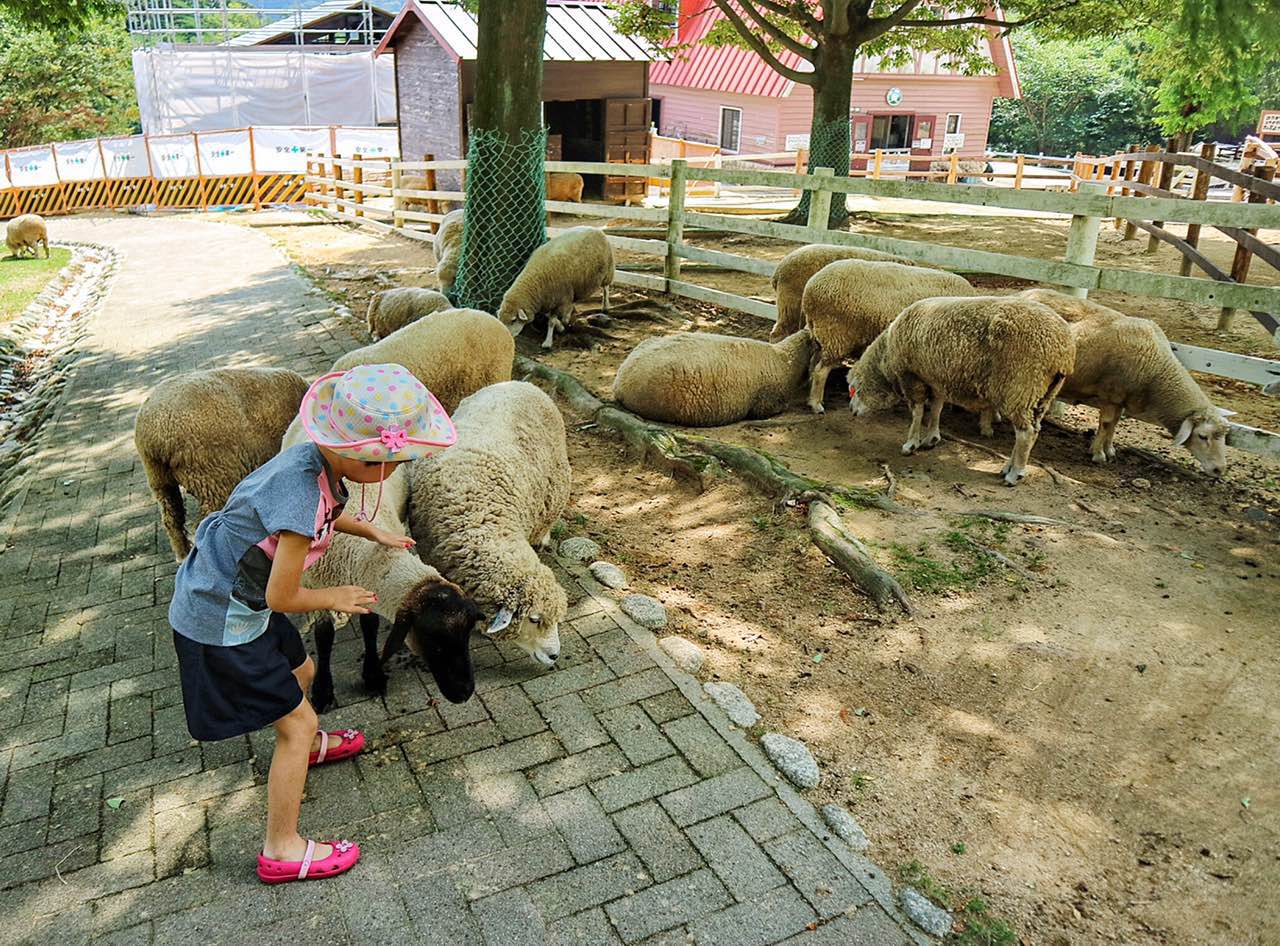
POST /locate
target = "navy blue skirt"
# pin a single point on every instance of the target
(230, 691)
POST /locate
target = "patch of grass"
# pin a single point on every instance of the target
(22, 279)
(981, 928)
(915, 874)
(859, 781)
(958, 848)
(932, 575)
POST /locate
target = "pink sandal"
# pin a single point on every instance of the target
(349, 742)
(342, 859)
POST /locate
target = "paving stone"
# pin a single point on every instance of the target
(371, 904)
(39, 862)
(687, 655)
(923, 912)
(626, 690)
(214, 755)
(588, 928)
(645, 611)
(763, 920)
(439, 911)
(522, 754)
(715, 796)
(766, 819)
(455, 742)
(652, 835)
(433, 853)
(579, 549)
(667, 706)
(621, 652)
(589, 886)
(46, 699)
(514, 712)
(574, 725)
(823, 880)
(667, 905)
(109, 758)
(706, 751)
(637, 785)
(76, 808)
(27, 835)
(182, 842)
(138, 935)
(387, 780)
(870, 926)
(569, 680)
(578, 769)
(846, 827)
(461, 714)
(448, 793)
(740, 710)
(131, 778)
(531, 861)
(511, 804)
(597, 622)
(28, 795)
(584, 825)
(220, 921)
(734, 856)
(204, 785)
(608, 574)
(636, 735)
(510, 919)
(127, 829)
(792, 758)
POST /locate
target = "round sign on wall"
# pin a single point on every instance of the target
(893, 96)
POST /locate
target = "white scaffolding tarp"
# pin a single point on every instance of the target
(209, 88)
(284, 150)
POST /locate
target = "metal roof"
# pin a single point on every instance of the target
(302, 19)
(576, 32)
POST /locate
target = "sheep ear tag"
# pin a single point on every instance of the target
(501, 621)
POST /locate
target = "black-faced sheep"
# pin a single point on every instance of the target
(206, 431)
(982, 353)
(393, 309)
(704, 380)
(564, 270)
(793, 274)
(25, 234)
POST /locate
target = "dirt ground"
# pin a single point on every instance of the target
(1090, 743)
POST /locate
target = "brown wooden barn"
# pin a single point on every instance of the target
(595, 87)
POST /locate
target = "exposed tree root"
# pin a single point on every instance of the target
(999, 515)
(1057, 477)
(828, 534)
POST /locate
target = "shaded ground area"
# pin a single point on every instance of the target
(1092, 748)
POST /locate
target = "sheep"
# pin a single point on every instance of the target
(206, 431)
(705, 380)
(1124, 365)
(393, 309)
(794, 271)
(477, 508)
(454, 353)
(1070, 308)
(848, 303)
(27, 233)
(562, 271)
(414, 182)
(981, 352)
(448, 248)
(433, 616)
(564, 186)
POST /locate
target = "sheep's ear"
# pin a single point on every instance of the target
(523, 316)
(1183, 432)
(395, 640)
(501, 621)
(1224, 412)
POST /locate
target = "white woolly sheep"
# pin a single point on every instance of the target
(1124, 365)
(448, 248)
(26, 234)
(983, 353)
(393, 309)
(477, 508)
(564, 270)
(206, 431)
(1070, 308)
(797, 267)
(562, 185)
(848, 303)
(414, 182)
(704, 380)
(454, 353)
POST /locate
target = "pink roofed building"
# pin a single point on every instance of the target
(731, 97)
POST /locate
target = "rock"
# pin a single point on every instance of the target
(579, 549)
(924, 913)
(740, 710)
(608, 574)
(1140, 483)
(687, 655)
(845, 827)
(645, 611)
(793, 759)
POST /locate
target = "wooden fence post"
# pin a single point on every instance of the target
(357, 178)
(875, 166)
(433, 205)
(820, 202)
(1017, 171)
(954, 169)
(253, 170)
(1199, 191)
(802, 160)
(1126, 177)
(339, 192)
(1082, 238)
(1240, 264)
(1115, 173)
(675, 218)
(397, 202)
(1145, 172)
(1165, 179)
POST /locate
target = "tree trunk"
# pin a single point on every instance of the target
(506, 215)
(829, 141)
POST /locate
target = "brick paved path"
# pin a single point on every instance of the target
(601, 803)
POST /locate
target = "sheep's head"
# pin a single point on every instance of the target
(435, 620)
(530, 617)
(514, 316)
(869, 389)
(1204, 433)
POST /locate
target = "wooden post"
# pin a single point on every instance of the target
(1199, 191)
(1115, 173)
(675, 218)
(111, 197)
(253, 171)
(433, 205)
(397, 202)
(17, 192)
(204, 197)
(357, 177)
(1145, 173)
(1017, 171)
(820, 202)
(1127, 175)
(1165, 179)
(1240, 264)
(151, 170)
(1082, 238)
(875, 165)
(60, 206)
(339, 193)
(953, 170)
(802, 159)
(1075, 173)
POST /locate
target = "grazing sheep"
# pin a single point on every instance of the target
(454, 353)
(448, 248)
(562, 185)
(564, 270)
(704, 380)
(983, 353)
(27, 233)
(477, 508)
(1123, 366)
(206, 431)
(848, 303)
(393, 309)
(797, 267)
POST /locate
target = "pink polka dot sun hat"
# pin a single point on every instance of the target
(376, 413)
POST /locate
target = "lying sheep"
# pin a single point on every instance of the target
(27, 233)
(704, 380)
(448, 248)
(562, 185)
(477, 508)
(983, 353)
(793, 274)
(848, 303)
(1123, 366)
(393, 309)
(206, 431)
(454, 353)
(414, 182)
(564, 270)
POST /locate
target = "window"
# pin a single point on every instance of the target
(730, 128)
(890, 132)
(953, 123)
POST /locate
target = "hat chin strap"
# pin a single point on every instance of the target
(377, 504)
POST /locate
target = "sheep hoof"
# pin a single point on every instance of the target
(931, 441)
(987, 431)
(1100, 457)
(817, 408)
(909, 447)
(1111, 453)
(1011, 477)
(375, 678)
(322, 694)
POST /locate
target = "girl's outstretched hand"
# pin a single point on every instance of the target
(392, 540)
(351, 599)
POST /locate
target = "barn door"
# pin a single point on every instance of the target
(626, 141)
(861, 128)
(923, 136)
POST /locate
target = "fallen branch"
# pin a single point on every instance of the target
(999, 515)
(852, 556)
(892, 490)
(1004, 560)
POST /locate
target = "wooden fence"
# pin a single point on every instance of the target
(332, 188)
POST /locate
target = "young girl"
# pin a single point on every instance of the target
(243, 664)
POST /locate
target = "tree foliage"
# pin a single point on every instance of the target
(60, 85)
(58, 14)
